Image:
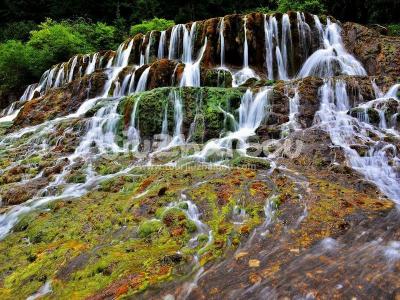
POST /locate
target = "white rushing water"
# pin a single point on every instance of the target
(222, 42)
(100, 132)
(332, 59)
(380, 164)
(252, 111)
(246, 72)
(191, 72)
(161, 45)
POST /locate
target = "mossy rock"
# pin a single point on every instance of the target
(149, 227)
(217, 78)
(201, 109)
(250, 162)
(173, 216)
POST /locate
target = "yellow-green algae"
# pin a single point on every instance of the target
(92, 244)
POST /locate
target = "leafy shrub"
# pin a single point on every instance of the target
(394, 29)
(154, 24)
(99, 35)
(16, 64)
(311, 6)
(58, 41)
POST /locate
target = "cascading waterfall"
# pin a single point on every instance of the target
(92, 64)
(174, 42)
(161, 45)
(246, 72)
(177, 138)
(252, 112)
(222, 42)
(333, 59)
(286, 46)
(380, 163)
(142, 83)
(100, 133)
(147, 52)
(304, 31)
(269, 35)
(98, 138)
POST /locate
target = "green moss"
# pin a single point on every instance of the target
(250, 162)
(202, 108)
(149, 227)
(95, 242)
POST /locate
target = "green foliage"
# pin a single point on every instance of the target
(99, 35)
(15, 64)
(19, 30)
(312, 6)
(154, 24)
(48, 44)
(394, 29)
(58, 41)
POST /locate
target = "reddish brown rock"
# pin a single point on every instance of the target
(379, 54)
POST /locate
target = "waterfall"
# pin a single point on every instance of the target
(59, 77)
(191, 72)
(377, 91)
(222, 42)
(123, 53)
(125, 83)
(147, 52)
(161, 45)
(286, 45)
(131, 88)
(49, 82)
(133, 134)
(174, 42)
(101, 131)
(164, 126)
(268, 30)
(333, 59)
(294, 105)
(142, 59)
(252, 112)
(274, 47)
(188, 41)
(304, 34)
(246, 72)
(142, 83)
(72, 69)
(345, 131)
(92, 65)
(177, 139)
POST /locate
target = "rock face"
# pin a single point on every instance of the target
(61, 101)
(379, 54)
